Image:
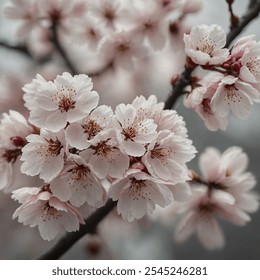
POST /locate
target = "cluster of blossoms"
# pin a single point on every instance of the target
(120, 31)
(74, 147)
(231, 83)
(225, 190)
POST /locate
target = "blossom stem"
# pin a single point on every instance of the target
(90, 226)
(19, 48)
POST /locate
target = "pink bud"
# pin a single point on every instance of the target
(17, 141)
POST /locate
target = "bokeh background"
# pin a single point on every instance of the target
(123, 241)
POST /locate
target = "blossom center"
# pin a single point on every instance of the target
(138, 189)
(160, 153)
(80, 172)
(54, 147)
(231, 94)
(49, 213)
(103, 149)
(129, 133)
(92, 128)
(10, 155)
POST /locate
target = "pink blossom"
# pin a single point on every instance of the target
(30, 91)
(107, 12)
(79, 134)
(225, 190)
(138, 193)
(44, 155)
(167, 155)
(234, 95)
(13, 131)
(26, 11)
(105, 156)
(200, 101)
(250, 64)
(77, 183)
(133, 133)
(200, 217)
(242, 45)
(170, 120)
(40, 208)
(67, 99)
(205, 44)
(87, 32)
(149, 24)
(122, 48)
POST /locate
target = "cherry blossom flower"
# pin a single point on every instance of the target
(121, 48)
(234, 95)
(13, 131)
(40, 208)
(250, 64)
(77, 184)
(167, 155)
(44, 155)
(242, 45)
(200, 101)
(138, 193)
(87, 32)
(105, 156)
(225, 190)
(79, 134)
(61, 12)
(170, 120)
(67, 99)
(200, 217)
(148, 108)
(26, 11)
(107, 12)
(31, 90)
(133, 133)
(150, 24)
(205, 45)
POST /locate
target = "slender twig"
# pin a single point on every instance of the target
(19, 48)
(252, 13)
(91, 223)
(60, 49)
(234, 20)
(178, 89)
(102, 70)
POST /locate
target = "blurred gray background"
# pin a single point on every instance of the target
(155, 241)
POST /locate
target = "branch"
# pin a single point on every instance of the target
(184, 80)
(70, 239)
(60, 49)
(251, 14)
(19, 48)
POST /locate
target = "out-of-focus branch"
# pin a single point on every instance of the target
(61, 50)
(184, 80)
(91, 223)
(19, 48)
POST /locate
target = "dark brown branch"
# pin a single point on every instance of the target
(91, 223)
(234, 20)
(178, 88)
(251, 14)
(19, 48)
(60, 49)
